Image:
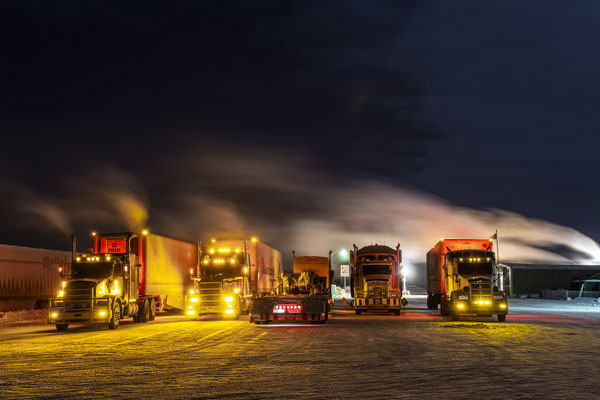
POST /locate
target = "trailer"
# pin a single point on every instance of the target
(302, 295)
(126, 275)
(29, 276)
(229, 275)
(462, 278)
(376, 279)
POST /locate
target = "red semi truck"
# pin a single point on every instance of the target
(125, 275)
(229, 275)
(376, 278)
(462, 275)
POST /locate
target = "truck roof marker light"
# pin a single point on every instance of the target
(78, 259)
(491, 240)
(237, 250)
(441, 239)
(205, 262)
(236, 290)
(254, 240)
(211, 251)
(212, 240)
(93, 233)
(145, 232)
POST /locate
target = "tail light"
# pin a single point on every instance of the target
(287, 308)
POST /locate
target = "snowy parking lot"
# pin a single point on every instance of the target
(545, 349)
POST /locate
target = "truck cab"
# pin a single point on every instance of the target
(376, 279)
(103, 286)
(470, 282)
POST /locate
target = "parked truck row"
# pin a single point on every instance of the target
(136, 275)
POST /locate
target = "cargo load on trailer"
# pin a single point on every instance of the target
(462, 278)
(376, 279)
(301, 295)
(229, 274)
(125, 275)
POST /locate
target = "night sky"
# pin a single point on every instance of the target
(311, 125)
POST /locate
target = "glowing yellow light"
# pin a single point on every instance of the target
(145, 232)
(460, 259)
(245, 270)
(229, 311)
(54, 315)
(237, 250)
(491, 239)
(212, 240)
(488, 259)
(102, 313)
(460, 306)
(191, 291)
(502, 305)
(101, 290)
(64, 283)
(191, 307)
(486, 302)
(194, 299)
(78, 258)
(441, 239)
(108, 257)
(229, 306)
(60, 294)
(191, 312)
(116, 288)
(125, 268)
(205, 262)
(191, 271)
(236, 290)
(232, 261)
(212, 251)
(93, 233)
(254, 240)
(229, 299)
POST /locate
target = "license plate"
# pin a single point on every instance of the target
(279, 311)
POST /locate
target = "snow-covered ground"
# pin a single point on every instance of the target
(547, 349)
(23, 316)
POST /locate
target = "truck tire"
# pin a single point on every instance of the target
(397, 312)
(144, 311)
(429, 302)
(501, 317)
(115, 317)
(62, 327)
(358, 312)
(324, 321)
(152, 310)
(444, 309)
(454, 316)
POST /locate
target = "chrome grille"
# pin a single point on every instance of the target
(481, 290)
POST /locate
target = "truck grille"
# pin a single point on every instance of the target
(481, 290)
(77, 299)
(209, 293)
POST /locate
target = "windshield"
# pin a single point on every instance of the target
(98, 270)
(222, 271)
(377, 269)
(475, 268)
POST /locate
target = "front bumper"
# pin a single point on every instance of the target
(469, 307)
(61, 316)
(378, 303)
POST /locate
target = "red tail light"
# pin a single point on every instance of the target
(287, 308)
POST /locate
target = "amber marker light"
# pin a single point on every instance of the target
(145, 232)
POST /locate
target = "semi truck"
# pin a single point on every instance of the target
(462, 278)
(229, 275)
(124, 275)
(301, 295)
(376, 278)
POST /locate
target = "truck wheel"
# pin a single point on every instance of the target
(115, 317)
(136, 318)
(358, 312)
(454, 316)
(152, 310)
(429, 302)
(444, 309)
(62, 327)
(397, 312)
(144, 312)
(324, 321)
(501, 317)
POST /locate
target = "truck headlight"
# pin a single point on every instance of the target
(102, 313)
(502, 305)
(229, 299)
(460, 305)
(191, 312)
(229, 311)
(54, 315)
